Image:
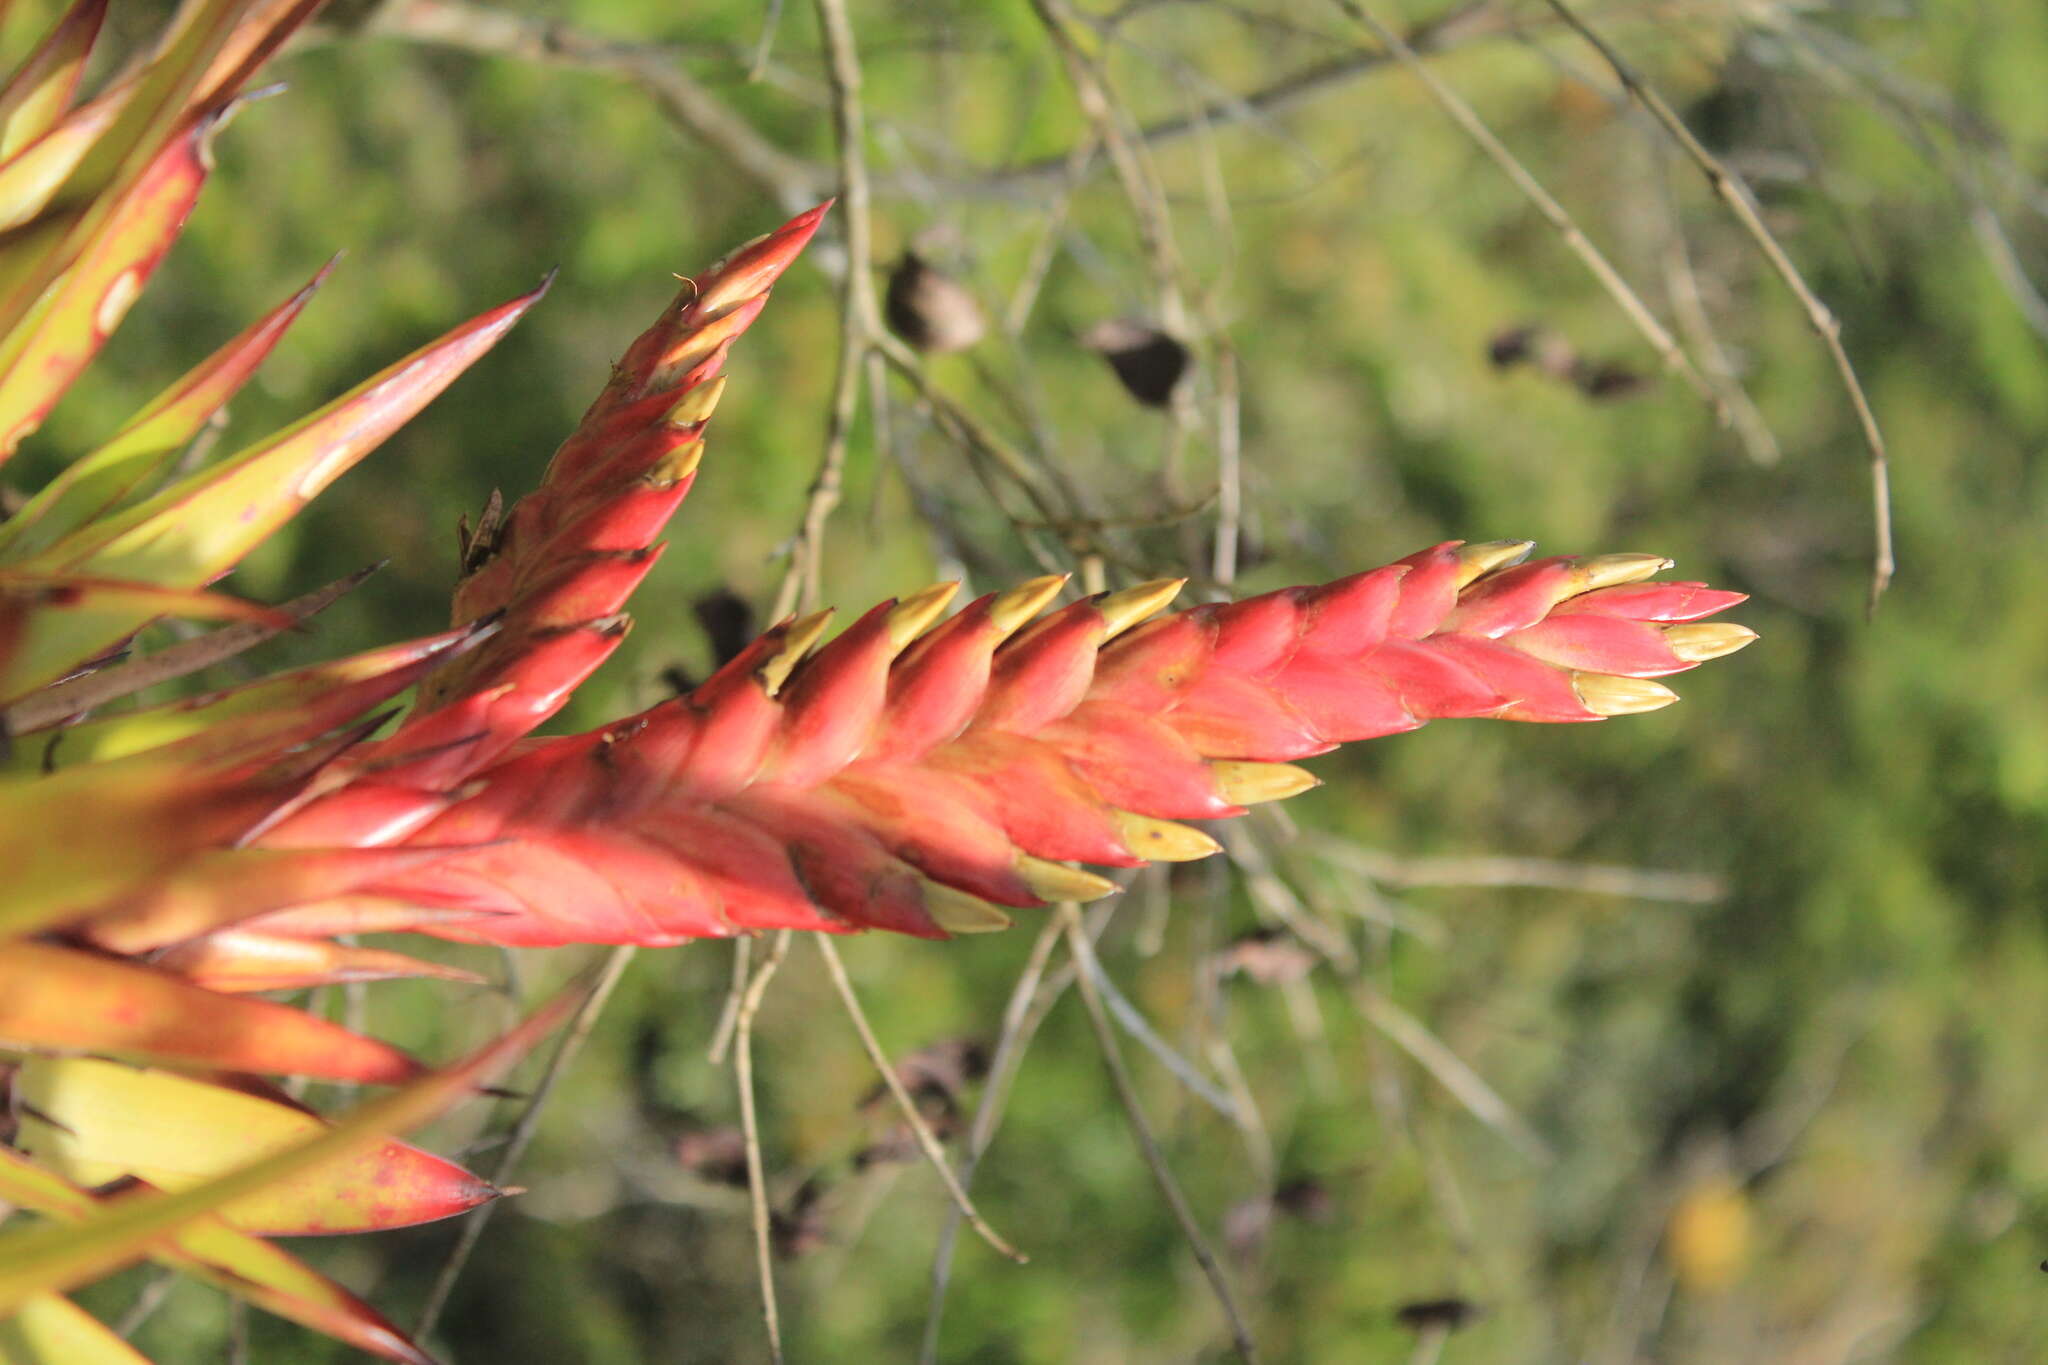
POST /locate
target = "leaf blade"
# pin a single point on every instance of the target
(150, 440)
(201, 526)
(46, 1260)
(235, 1261)
(49, 1329)
(41, 88)
(59, 999)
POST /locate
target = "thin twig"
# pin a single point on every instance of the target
(1019, 1023)
(971, 434)
(1043, 251)
(1134, 1023)
(1272, 895)
(795, 182)
(1624, 295)
(1598, 879)
(750, 1127)
(1209, 1024)
(482, 29)
(1229, 467)
(1250, 1122)
(1733, 191)
(161, 1283)
(528, 1124)
(1148, 1146)
(929, 1144)
(857, 312)
(729, 1012)
(770, 21)
(1467, 25)
(1451, 1072)
(1141, 187)
(1429, 1345)
(1689, 307)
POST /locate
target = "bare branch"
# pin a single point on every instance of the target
(1598, 879)
(1020, 1022)
(1134, 1023)
(1567, 228)
(794, 182)
(615, 965)
(919, 1129)
(1460, 28)
(729, 1012)
(1451, 1072)
(1733, 191)
(1148, 1146)
(750, 1125)
(1682, 288)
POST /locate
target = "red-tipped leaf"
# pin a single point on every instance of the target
(59, 999)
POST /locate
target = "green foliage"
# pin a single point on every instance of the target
(1854, 1024)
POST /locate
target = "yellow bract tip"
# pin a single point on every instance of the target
(678, 464)
(1163, 841)
(959, 913)
(1247, 784)
(1481, 558)
(1609, 695)
(797, 638)
(1611, 571)
(697, 405)
(1011, 610)
(1698, 642)
(1050, 881)
(909, 617)
(1122, 610)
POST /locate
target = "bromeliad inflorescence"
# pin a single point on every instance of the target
(916, 774)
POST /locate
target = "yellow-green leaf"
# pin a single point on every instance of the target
(82, 207)
(50, 1259)
(61, 1000)
(75, 316)
(52, 624)
(84, 836)
(40, 90)
(199, 527)
(141, 450)
(97, 1121)
(48, 1329)
(32, 176)
(210, 1250)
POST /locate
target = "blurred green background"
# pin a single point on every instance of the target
(1797, 1114)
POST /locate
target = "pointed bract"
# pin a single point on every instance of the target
(608, 491)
